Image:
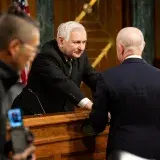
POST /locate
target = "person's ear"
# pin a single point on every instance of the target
(120, 49)
(60, 41)
(144, 44)
(14, 47)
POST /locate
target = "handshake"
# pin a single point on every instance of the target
(89, 107)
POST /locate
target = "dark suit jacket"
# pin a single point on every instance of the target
(131, 92)
(50, 84)
(8, 77)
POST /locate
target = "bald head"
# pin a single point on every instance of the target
(130, 41)
(130, 36)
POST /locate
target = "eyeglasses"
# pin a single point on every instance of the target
(31, 48)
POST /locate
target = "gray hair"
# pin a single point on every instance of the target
(13, 27)
(64, 30)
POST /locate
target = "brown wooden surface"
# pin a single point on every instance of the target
(32, 8)
(59, 137)
(4, 4)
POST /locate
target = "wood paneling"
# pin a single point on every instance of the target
(66, 10)
(4, 4)
(110, 18)
(59, 137)
(32, 8)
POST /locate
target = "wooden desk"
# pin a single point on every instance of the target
(59, 137)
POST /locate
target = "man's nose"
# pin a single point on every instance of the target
(81, 46)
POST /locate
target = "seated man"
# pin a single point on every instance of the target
(57, 72)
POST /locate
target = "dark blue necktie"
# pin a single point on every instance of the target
(70, 67)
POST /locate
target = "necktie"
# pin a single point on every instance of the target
(70, 67)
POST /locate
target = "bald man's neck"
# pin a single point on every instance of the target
(130, 37)
(131, 53)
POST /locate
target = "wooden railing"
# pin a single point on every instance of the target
(102, 54)
(87, 8)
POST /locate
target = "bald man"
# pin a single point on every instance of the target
(131, 93)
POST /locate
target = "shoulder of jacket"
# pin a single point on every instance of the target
(49, 50)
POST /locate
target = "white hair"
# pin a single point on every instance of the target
(64, 30)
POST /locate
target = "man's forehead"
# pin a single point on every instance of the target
(78, 35)
(78, 31)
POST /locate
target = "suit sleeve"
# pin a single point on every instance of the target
(2, 157)
(49, 73)
(2, 121)
(99, 115)
(90, 76)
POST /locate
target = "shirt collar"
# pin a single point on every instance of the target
(134, 56)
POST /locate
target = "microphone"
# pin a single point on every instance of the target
(38, 100)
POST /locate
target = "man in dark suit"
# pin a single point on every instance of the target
(130, 92)
(57, 72)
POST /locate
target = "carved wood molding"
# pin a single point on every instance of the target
(47, 119)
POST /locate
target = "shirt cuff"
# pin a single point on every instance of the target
(83, 102)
